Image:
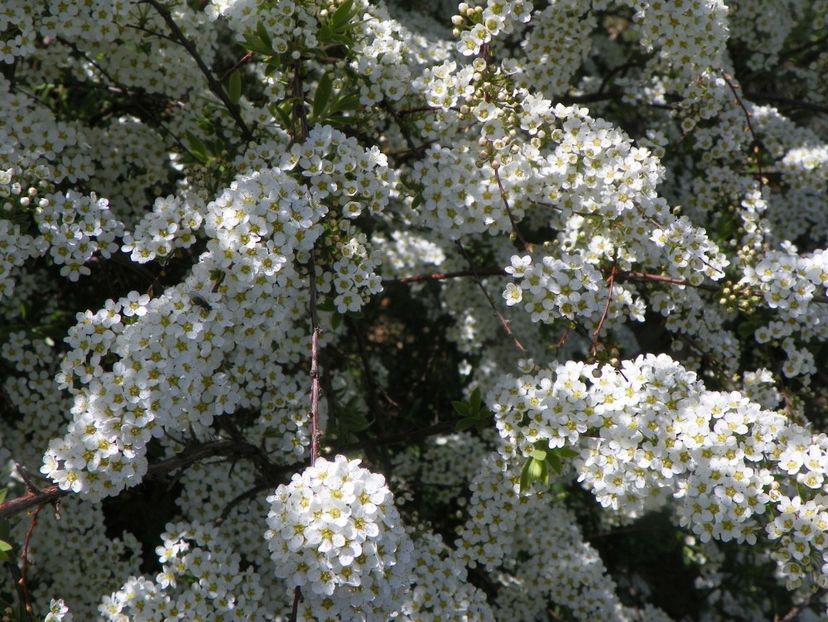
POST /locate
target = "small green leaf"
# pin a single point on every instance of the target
(283, 112)
(322, 97)
(466, 423)
(255, 44)
(555, 457)
(273, 65)
(533, 471)
(234, 87)
(348, 101)
(5, 551)
(342, 15)
(3, 493)
(262, 33)
(461, 408)
(539, 454)
(326, 305)
(475, 401)
(197, 147)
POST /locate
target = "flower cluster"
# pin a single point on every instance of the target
(76, 557)
(286, 23)
(207, 345)
(555, 47)
(789, 281)
(442, 470)
(650, 431)
(200, 579)
(354, 275)
(558, 566)
(15, 249)
(690, 35)
(567, 286)
(35, 141)
(168, 226)
(77, 227)
(145, 127)
(483, 25)
(440, 591)
(334, 531)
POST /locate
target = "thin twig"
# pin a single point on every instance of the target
(610, 286)
(214, 85)
(442, 276)
(187, 457)
(314, 371)
(300, 117)
(755, 146)
(518, 234)
(240, 63)
(788, 101)
(503, 321)
(297, 598)
(24, 562)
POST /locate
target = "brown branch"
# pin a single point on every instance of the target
(24, 563)
(297, 598)
(442, 276)
(314, 370)
(610, 285)
(788, 101)
(214, 85)
(660, 278)
(756, 145)
(239, 63)
(300, 134)
(503, 321)
(517, 232)
(184, 459)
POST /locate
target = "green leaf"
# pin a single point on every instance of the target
(234, 87)
(461, 408)
(322, 97)
(533, 471)
(3, 493)
(283, 112)
(539, 455)
(555, 457)
(197, 147)
(466, 423)
(475, 401)
(262, 33)
(342, 15)
(255, 44)
(5, 551)
(348, 101)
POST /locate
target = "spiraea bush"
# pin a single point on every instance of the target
(340, 310)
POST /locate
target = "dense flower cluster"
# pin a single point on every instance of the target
(68, 548)
(76, 227)
(335, 532)
(566, 287)
(503, 525)
(168, 226)
(440, 591)
(650, 430)
(200, 579)
(228, 223)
